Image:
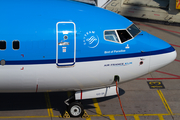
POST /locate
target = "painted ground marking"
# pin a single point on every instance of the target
(165, 102)
(48, 104)
(177, 77)
(96, 105)
(155, 84)
(177, 60)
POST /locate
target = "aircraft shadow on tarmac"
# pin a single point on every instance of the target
(35, 101)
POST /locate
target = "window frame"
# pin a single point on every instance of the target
(130, 33)
(111, 40)
(13, 45)
(132, 37)
(5, 44)
(118, 36)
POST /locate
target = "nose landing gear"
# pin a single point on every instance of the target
(74, 108)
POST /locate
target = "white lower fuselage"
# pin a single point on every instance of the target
(82, 76)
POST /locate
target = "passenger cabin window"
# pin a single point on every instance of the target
(16, 45)
(2, 45)
(111, 36)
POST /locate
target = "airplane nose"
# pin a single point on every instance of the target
(161, 60)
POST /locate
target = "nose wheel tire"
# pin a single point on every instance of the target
(75, 109)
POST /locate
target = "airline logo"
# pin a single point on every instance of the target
(91, 39)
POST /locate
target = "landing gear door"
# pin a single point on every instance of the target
(65, 44)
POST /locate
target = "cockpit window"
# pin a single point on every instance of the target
(111, 36)
(133, 30)
(124, 35)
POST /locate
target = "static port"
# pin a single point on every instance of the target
(3, 62)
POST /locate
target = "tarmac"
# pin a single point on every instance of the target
(155, 96)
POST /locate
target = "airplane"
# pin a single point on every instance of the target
(63, 45)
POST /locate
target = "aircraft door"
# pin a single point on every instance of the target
(65, 43)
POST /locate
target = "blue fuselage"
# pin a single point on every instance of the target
(33, 24)
(64, 33)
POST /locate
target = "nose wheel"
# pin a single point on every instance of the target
(75, 109)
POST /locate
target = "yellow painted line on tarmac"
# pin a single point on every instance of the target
(98, 110)
(48, 104)
(160, 117)
(3, 117)
(145, 114)
(24, 117)
(165, 102)
(88, 118)
(96, 105)
(111, 117)
(136, 117)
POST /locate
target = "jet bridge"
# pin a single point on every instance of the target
(163, 10)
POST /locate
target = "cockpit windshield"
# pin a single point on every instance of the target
(122, 35)
(133, 30)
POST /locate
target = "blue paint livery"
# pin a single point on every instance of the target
(34, 24)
